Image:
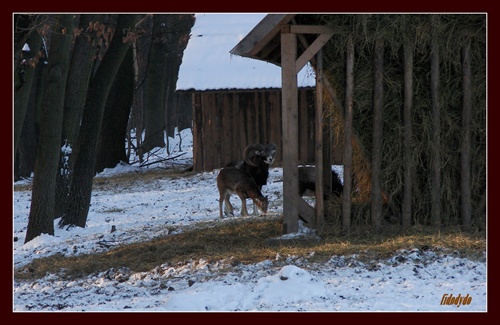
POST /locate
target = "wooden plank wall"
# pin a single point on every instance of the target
(226, 121)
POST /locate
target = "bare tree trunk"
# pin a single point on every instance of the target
(182, 31)
(408, 160)
(85, 158)
(41, 218)
(378, 103)
(347, 159)
(110, 147)
(157, 82)
(30, 134)
(170, 38)
(83, 57)
(142, 47)
(436, 135)
(25, 65)
(465, 158)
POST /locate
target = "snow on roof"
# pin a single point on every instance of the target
(207, 63)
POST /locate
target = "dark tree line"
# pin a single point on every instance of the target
(77, 82)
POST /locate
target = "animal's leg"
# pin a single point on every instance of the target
(221, 201)
(244, 212)
(228, 208)
(255, 209)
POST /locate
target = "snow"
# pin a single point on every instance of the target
(207, 63)
(411, 280)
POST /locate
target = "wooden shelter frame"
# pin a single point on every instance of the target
(292, 40)
(261, 43)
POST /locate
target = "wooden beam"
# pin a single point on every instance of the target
(378, 105)
(320, 185)
(306, 212)
(327, 146)
(347, 155)
(436, 134)
(407, 133)
(290, 135)
(311, 50)
(260, 35)
(272, 45)
(465, 157)
(310, 29)
(198, 125)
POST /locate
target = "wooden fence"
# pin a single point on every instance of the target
(226, 121)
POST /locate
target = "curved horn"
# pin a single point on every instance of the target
(251, 151)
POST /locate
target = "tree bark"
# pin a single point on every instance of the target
(83, 57)
(110, 147)
(41, 218)
(28, 142)
(24, 75)
(30, 134)
(142, 47)
(169, 39)
(157, 83)
(183, 25)
(85, 158)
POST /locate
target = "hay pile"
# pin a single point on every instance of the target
(451, 31)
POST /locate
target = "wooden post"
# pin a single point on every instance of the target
(227, 130)
(378, 103)
(407, 131)
(290, 125)
(303, 127)
(320, 204)
(436, 136)
(347, 156)
(327, 147)
(198, 159)
(465, 157)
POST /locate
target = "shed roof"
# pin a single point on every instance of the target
(207, 63)
(263, 41)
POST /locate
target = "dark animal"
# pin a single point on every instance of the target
(307, 181)
(257, 159)
(232, 180)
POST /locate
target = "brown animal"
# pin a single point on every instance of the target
(307, 181)
(232, 180)
(257, 159)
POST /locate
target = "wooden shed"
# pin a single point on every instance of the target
(225, 121)
(235, 101)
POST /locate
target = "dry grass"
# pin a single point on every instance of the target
(130, 180)
(451, 32)
(246, 241)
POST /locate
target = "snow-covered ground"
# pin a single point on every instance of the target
(411, 280)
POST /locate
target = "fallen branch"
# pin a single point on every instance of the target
(162, 160)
